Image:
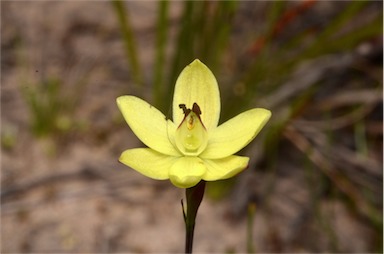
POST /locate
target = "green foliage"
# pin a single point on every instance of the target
(129, 41)
(46, 106)
(51, 106)
(258, 68)
(8, 138)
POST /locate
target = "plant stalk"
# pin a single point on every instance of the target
(129, 40)
(194, 196)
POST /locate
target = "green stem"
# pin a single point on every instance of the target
(161, 38)
(194, 196)
(250, 219)
(129, 40)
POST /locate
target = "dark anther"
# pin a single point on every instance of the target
(196, 109)
(185, 109)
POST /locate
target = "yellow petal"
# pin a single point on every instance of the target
(187, 172)
(224, 168)
(148, 162)
(235, 134)
(148, 124)
(196, 83)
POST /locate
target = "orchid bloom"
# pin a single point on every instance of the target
(192, 147)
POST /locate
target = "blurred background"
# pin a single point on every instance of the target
(315, 180)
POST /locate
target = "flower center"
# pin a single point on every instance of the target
(191, 135)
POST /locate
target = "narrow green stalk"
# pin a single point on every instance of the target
(161, 37)
(361, 138)
(218, 36)
(345, 16)
(130, 44)
(250, 219)
(184, 52)
(194, 196)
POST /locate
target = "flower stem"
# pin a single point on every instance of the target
(194, 196)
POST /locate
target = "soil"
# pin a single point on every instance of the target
(67, 192)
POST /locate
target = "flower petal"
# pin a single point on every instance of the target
(148, 162)
(236, 133)
(148, 124)
(224, 168)
(187, 172)
(196, 83)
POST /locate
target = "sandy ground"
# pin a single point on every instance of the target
(75, 197)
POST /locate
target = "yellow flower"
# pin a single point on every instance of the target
(192, 147)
